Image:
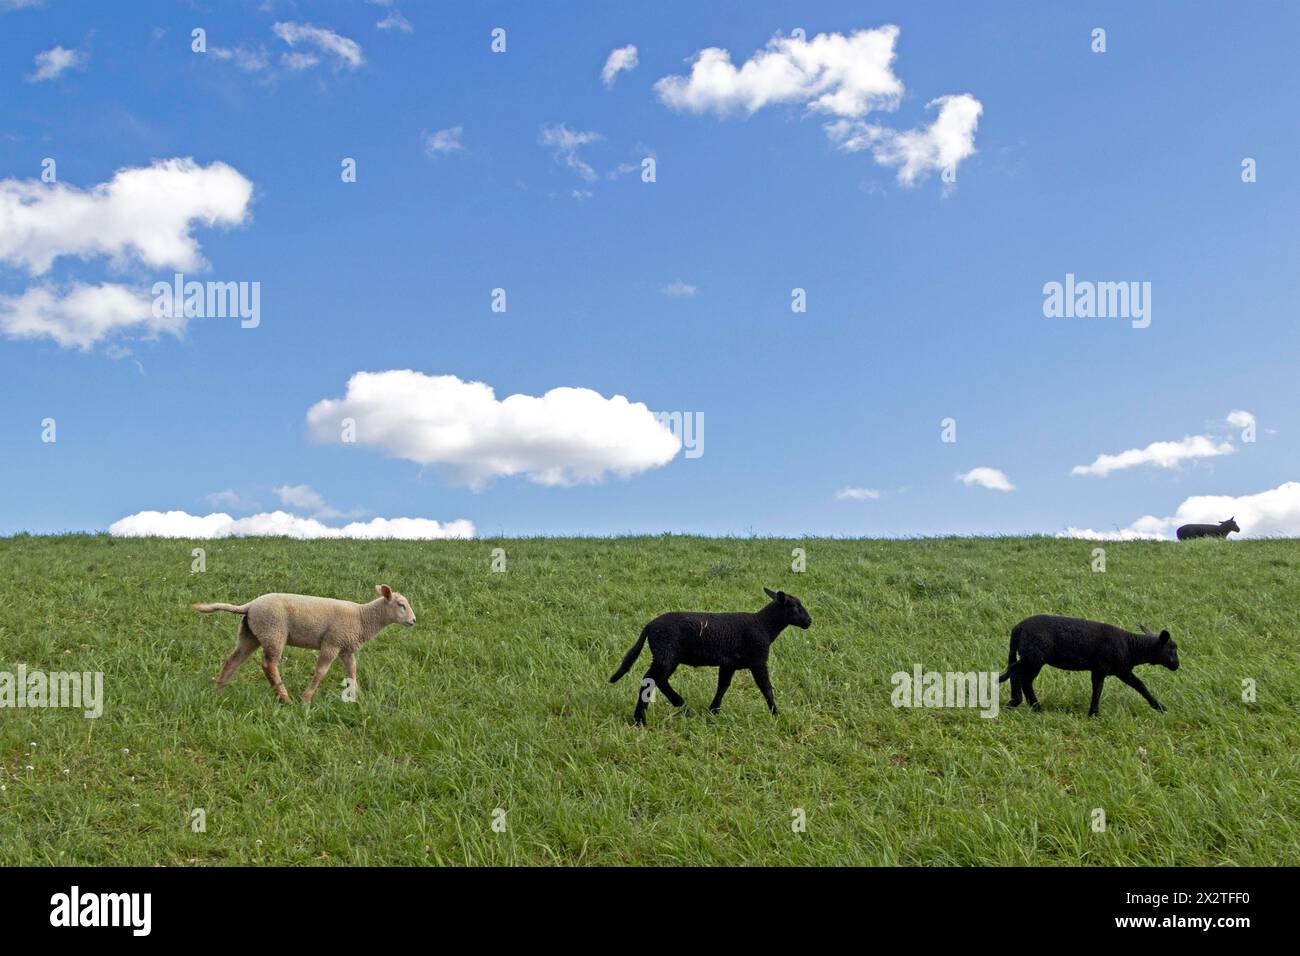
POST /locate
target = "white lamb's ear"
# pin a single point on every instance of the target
(385, 590)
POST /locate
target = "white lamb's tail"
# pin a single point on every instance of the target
(232, 608)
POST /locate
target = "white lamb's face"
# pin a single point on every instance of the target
(399, 608)
(403, 613)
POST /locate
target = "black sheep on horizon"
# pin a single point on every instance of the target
(1221, 530)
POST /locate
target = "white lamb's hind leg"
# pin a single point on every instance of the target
(246, 645)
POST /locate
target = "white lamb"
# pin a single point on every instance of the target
(337, 628)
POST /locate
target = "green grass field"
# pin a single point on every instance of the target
(498, 699)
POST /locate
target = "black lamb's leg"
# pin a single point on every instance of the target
(1028, 671)
(1136, 683)
(765, 685)
(653, 679)
(674, 698)
(1098, 679)
(724, 681)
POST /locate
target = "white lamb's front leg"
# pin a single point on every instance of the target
(350, 661)
(323, 662)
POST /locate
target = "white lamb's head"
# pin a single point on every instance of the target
(398, 608)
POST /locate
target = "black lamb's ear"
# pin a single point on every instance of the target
(1164, 637)
(770, 593)
(782, 597)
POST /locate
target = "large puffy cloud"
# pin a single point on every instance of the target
(1274, 513)
(941, 145)
(566, 436)
(180, 524)
(831, 73)
(1160, 454)
(144, 214)
(82, 315)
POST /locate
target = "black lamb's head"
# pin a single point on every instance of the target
(796, 615)
(1231, 525)
(1166, 651)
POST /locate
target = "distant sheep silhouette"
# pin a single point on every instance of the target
(729, 642)
(1220, 530)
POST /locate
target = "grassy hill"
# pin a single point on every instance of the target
(498, 700)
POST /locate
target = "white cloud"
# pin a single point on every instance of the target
(857, 494)
(55, 61)
(225, 499)
(7, 5)
(83, 315)
(443, 141)
(847, 77)
(247, 59)
(299, 61)
(347, 52)
(567, 436)
(1272, 513)
(180, 524)
(1148, 528)
(989, 478)
(831, 73)
(1161, 454)
(144, 213)
(566, 143)
(619, 61)
(393, 20)
(941, 145)
(1238, 418)
(303, 497)
(307, 498)
(679, 290)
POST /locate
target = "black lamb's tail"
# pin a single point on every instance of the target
(1011, 655)
(630, 657)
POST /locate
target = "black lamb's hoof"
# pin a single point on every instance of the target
(1014, 702)
(1037, 706)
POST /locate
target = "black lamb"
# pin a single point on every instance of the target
(729, 642)
(1220, 530)
(1073, 644)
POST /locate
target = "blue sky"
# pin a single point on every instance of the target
(924, 299)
